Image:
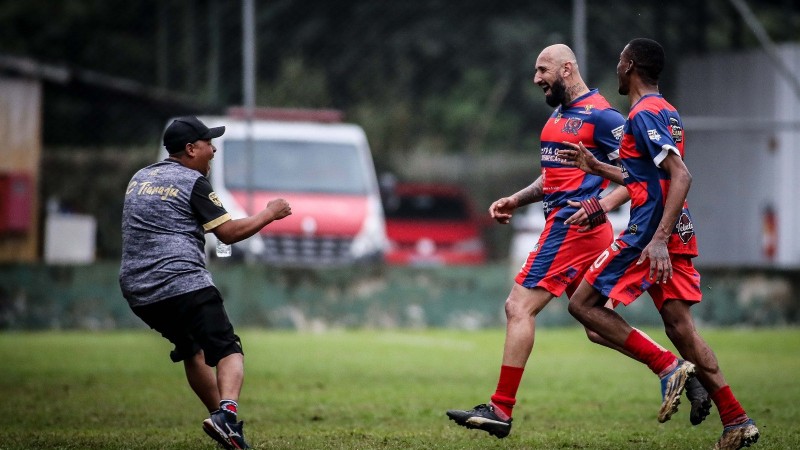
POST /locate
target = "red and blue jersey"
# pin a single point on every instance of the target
(652, 131)
(589, 119)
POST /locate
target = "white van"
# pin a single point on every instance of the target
(326, 173)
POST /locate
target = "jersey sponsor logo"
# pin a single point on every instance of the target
(549, 155)
(572, 126)
(633, 229)
(215, 199)
(685, 228)
(587, 109)
(558, 117)
(617, 132)
(675, 130)
(653, 135)
(147, 188)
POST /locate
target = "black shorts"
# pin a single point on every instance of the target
(193, 321)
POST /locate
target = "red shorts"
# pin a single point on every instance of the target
(617, 276)
(561, 257)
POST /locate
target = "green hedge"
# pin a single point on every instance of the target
(88, 297)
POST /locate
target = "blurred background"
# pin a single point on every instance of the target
(444, 93)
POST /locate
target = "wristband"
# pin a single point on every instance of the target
(595, 213)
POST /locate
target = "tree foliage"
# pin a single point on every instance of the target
(418, 74)
(421, 76)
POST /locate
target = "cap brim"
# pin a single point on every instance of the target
(214, 133)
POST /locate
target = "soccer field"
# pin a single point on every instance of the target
(378, 390)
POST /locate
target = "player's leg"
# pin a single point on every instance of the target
(616, 274)
(555, 265)
(600, 340)
(203, 380)
(521, 307)
(695, 392)
(738, 429)
(221, 349)
(604, 324)
(230, 376)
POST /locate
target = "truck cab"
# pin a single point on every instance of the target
(322, 167)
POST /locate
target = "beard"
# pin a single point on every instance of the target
(558, 93)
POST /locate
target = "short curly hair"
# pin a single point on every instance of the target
(648, 58)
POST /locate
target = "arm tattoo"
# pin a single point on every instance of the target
(531, 194)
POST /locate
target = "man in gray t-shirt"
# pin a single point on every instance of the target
(169, 206)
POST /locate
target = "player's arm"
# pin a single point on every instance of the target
(610, 202)
(236, 230)
(215, 219)
(616, 198)
(502, 210)
(579, 156)
(656, 250)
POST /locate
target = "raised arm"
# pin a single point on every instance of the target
(237, 230)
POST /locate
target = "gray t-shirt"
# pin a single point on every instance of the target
(168, 208)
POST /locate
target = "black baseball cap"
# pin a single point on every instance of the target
(184, 130)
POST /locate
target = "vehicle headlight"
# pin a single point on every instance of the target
(469, 245)
(372, 236)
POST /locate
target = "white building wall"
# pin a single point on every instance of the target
(742, 126)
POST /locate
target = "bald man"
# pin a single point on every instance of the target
(576, 230)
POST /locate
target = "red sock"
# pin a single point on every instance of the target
(645, 350)
(505, 396)
(730, 411)
(229, 407)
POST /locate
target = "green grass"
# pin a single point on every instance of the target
(378, 390)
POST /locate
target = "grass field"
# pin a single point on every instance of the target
(378, 390)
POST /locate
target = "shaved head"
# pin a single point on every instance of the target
(558, 54)
(557, 74)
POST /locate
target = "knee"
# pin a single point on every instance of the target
(593, 337)
(525, 307)
(681, 334)
(576, 311)
(673, 332)
(515, 309)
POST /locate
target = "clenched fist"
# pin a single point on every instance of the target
(280, 208)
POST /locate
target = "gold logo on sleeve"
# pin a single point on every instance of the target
(214, 199)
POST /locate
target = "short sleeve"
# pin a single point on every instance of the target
(207, 205)
(608, 132)
(652, 133)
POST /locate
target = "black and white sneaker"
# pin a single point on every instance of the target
(228, 434)
(481, 417)
(700, 400)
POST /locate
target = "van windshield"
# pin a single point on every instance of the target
(295, 166)
(425, 207)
